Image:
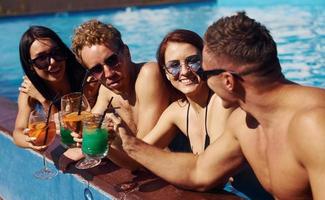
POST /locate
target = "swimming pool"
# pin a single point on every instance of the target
(17, 182)
(297, 26)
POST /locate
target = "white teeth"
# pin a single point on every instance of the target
(186, 81)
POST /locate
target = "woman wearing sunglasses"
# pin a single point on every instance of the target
(51, 71)
(199, 114)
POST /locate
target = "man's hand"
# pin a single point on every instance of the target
(119, 128)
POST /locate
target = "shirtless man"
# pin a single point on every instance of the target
(137, 88)
(282, 137)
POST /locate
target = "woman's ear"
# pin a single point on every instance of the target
(167, 76)
(126, 51)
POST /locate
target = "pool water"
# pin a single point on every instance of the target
(17, 166)
(298, 27)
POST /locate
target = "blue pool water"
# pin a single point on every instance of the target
(297, 26)
(17, 182)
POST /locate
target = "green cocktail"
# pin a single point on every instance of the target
(94, 141)
(66, 138)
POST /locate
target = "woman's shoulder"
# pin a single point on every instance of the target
(25, 101)
(177, 107)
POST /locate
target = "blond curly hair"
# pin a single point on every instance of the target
(94, 32)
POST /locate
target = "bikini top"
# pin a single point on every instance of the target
(207, 138)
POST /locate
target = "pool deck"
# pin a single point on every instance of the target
(107, 175)
(32, 7)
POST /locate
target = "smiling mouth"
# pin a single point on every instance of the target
(187, 81)
(55, 70)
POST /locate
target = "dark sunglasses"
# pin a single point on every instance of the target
(112, 62)
(193, 62)
(205, 74)
(43, 61)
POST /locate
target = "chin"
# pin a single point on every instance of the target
(228, 104)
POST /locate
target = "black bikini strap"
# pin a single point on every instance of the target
(187, 120)
(207, 138)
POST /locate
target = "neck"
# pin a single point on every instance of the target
(262, 101)
(61, 87)
(199, 100)
(129, 89)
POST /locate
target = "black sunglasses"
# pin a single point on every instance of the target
(96, 71)
(205, 74)
(43, 61)
(193, 62)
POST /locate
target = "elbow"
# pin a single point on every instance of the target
(202, 186)
(204, 183)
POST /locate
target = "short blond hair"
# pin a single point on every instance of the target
(94, 32)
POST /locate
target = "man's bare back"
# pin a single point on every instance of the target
(271, 146)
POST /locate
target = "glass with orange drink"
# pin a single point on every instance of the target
(41, 132)
(71, 118)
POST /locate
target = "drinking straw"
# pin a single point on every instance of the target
(78, 128)
(48, 117)
(47, 122)
(82, 90)
(103, 116)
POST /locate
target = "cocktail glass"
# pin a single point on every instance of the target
(43, 134)
(71, 118)
(94, 142)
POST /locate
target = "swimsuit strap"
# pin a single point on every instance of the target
(187, 119)
(207, 138)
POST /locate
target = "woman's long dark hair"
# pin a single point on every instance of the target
(75, 72)
(180, 36)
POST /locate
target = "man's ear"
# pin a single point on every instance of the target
(228, 81)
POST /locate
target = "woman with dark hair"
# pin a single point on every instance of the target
(199, 114)
(51, 71)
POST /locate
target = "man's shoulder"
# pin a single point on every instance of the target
(236, 121)
(308, 118)
(148, 70)
(307, 125)
(306, 133)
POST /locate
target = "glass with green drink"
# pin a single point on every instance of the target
(94, 141)
(71, 118)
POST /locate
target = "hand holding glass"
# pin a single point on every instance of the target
(70, 118)
(43, 134)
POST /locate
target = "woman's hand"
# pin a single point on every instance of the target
(28, 88)
(30, 141)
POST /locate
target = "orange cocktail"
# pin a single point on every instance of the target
(37, 131)
(72, 121)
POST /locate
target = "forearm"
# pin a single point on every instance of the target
(176, 168)
(20, 139)
(120, 158)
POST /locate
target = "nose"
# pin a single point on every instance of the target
(108, 72)
(184, 69)
(52, 60)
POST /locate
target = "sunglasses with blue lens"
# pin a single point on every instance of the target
(193, 62)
